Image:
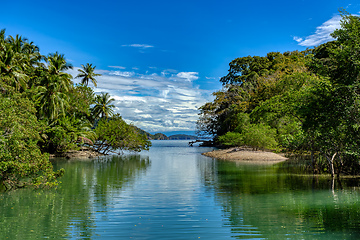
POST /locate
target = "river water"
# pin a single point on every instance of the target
(173, 192)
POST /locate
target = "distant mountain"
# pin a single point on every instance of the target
(148, 135)
(161, 136)
(182, 137)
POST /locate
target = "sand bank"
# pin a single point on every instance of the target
(246, 155)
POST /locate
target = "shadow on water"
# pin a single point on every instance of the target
(67, 212)
(277, 202)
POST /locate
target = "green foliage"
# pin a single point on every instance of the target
(232, 139)
(259, 136)
(81, 97)
(63, 134)
(115, 134)
(21, 161)
(247, 70)
(331, 112)
(305, 101)
(254, 135)
(52, 91)
(41, 110)
(242, 121)
(102, 106)
(250, 82)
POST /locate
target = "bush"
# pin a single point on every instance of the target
(115, 134)
(259, 136)
(21, 161)
(232, 139)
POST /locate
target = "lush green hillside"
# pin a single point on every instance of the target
(303, 102)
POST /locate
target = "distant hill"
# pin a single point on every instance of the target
(161, 136)
(182, 137)
(157, 136)
(148, 135)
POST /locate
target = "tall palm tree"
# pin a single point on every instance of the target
(12, 65)
(103, 106)
(57, 63)
(56, 67)
(87, 73)
(52, 102)
(27, 56)
(53, 88)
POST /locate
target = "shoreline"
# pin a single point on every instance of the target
(246, 155)
(83, 153)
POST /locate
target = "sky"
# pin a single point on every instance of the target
(162, 60)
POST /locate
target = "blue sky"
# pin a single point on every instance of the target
(161, 60)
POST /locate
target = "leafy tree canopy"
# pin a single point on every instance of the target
(115, 134)
(21, 161)
(306, 101)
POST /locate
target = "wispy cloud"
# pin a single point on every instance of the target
(123, 74)
(118, 67)
(156, 102)
(141, 46)
(322, 33)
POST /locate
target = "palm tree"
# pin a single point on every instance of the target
(103, 106)
(52, 102)
(56, 67)
(87, 73)
(12, 65)
(53, 88)
(24, 57)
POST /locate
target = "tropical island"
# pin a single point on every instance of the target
(304, 103)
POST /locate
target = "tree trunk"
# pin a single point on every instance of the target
(331, 164)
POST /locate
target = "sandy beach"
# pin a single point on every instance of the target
(246, 155)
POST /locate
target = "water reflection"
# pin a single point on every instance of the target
(269, 202)
(173, 192)
(69, 210)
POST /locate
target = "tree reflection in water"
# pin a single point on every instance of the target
(275, 202)
(68, 211)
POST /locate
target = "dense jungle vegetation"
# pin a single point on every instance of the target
(43, 112)
(302, 102)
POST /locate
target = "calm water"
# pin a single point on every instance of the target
(173, 192)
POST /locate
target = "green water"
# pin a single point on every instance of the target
(173, 192)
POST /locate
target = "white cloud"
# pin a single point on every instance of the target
(322, 33)
(118, 67)
(298, 39)
(129, 99)
(123, 74)
(154, 102)
(189, 76)
(135, 45)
